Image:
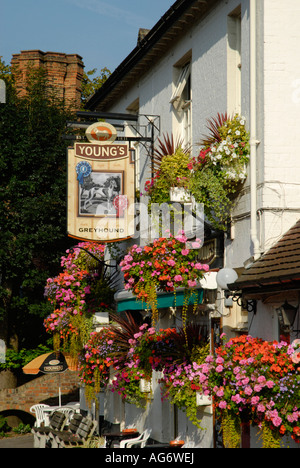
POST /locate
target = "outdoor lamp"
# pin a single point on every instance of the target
(287, 316)
(228, 276)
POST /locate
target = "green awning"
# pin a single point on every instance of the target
(164, 300)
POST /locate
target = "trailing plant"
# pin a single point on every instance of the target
(163, 265)
(76, 294)
(210, 190)
(220, 168)
(126, 383)
(133, 351)
(270, 439)
(107, 349)
(95, 362)
(231, 430)
(181, 376)
(178, 355)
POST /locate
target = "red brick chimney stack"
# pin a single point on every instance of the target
(64, 72)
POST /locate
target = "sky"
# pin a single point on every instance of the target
(102, 32)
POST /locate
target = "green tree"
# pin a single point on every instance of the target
(91, 85)
(32, 205)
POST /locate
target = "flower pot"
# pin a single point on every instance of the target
(180, 195)
(203, 400)
(145, 386)
(72, 361)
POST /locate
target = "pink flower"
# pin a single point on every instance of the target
(292, 417)
(138, 335)
(219, 368)
(270, 384)
(248, 390)
(237, 398)
(296, 357)
(178, 278)
(258, 388)
(254, 400)
(185, 251)
(205, 368)
(222, 404)
(261, 408)
(219, 360)
(261, 379)
(277, 421)
(192, 284)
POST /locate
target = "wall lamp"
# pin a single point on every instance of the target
(226, 277)
(287, 315)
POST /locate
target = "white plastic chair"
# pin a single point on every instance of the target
(74, 405)
(40, 416)
(67, 411)
(140, 440)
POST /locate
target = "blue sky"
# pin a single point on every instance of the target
(103, 32)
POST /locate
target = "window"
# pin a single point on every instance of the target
(181, 101)
(182, 82)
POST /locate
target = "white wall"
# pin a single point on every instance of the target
(281, 117)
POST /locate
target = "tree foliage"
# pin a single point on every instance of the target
(32, 204)
(91, 84)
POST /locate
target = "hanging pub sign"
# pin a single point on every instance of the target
(101, 187)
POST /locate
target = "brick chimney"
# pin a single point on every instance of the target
(64, 72)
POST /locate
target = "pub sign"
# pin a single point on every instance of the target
(101, 187)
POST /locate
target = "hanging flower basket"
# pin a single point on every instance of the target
(164, 265)
(73, 362)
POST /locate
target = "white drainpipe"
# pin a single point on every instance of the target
(253, 135)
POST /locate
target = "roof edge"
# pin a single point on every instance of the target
(165, 22)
